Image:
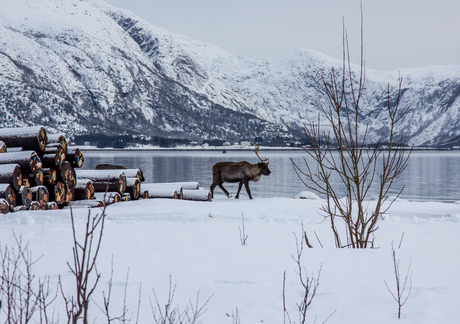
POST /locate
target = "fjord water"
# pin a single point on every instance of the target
(430, 175)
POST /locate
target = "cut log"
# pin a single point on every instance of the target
(134, 173)
(50, 176)
(2, 147)
(37, 178)
(69, 194)
(58, 192)
(49, 161)
(133, 187)
(11, 173)
(84, 189)
(32, 138)
(27, 160)
(115, 179)
(41, 195)
(68, 175)
(157, 188)
(52, 205)
(110, 197)
(4, 206)
(20, 208)
(56, 140)
(53, 157)
(161, 193)
(24, 196)
(197, 195)
(75, 157)
(125, 196)
(130, 173)
(86, 203)
(26, 180)
(7, 192)
(35, 205)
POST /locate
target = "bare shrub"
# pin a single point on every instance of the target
(342, 151)
(84, 269)
(309, 284)
(243, 236)
(23, 298)
(170, 314)
(401, 295)
(236, 317)
(126, 316)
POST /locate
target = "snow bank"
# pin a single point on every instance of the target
(198, 245)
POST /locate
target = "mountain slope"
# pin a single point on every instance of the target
(292, 90)
(72, 66)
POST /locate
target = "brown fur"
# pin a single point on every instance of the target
(241, 172)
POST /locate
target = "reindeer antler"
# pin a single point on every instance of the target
(257, 153)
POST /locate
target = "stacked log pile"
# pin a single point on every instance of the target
(38, 171)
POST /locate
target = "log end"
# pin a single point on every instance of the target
(4, 206)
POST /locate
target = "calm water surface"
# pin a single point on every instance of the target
(430, 176)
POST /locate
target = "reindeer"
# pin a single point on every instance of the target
(241, 172)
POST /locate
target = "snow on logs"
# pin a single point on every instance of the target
(37, 168)
(4, 206)
(105, 180)
(162, 190)
(176, 190)
(8, 193)
(133, 187)
(53, 157)
(12, 174)
(2, 147)
(41, 195)
(196, 194)
(109, 197)
(75, 157)
(28, 160)
(32, 138)
(37, 171)
(56, 140)
(24, 197)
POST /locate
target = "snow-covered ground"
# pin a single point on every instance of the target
(198, 245)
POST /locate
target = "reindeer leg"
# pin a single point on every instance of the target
(246, 185)
(239, 188)
(224, 190)
(212, 189)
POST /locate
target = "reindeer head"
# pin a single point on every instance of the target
(263, 164)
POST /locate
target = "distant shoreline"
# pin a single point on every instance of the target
(220, 149)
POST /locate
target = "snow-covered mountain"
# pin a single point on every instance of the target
(292, 89)
(84, 66)
(87, 67)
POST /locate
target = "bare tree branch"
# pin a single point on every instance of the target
(342, 153)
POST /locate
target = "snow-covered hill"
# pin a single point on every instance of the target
(85, 66)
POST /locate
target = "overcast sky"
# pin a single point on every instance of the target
(397, 33)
